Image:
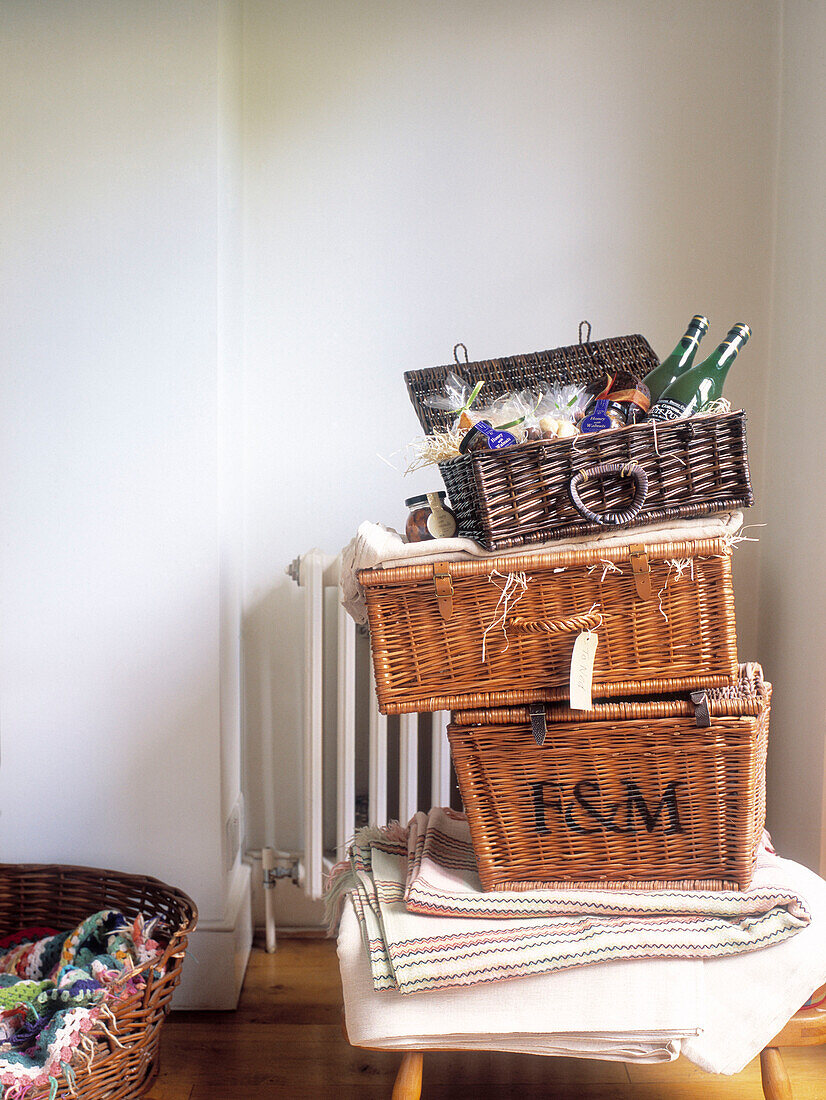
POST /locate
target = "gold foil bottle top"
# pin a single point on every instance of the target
(741, 330)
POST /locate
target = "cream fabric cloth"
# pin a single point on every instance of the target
(540, 1014)
(378, 547)
(719, 1013)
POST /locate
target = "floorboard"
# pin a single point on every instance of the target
(286, 1042)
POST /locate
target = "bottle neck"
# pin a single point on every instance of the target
(721, 360)
(697, 328)
(689, 345)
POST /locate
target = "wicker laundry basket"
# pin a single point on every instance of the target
(561, 488)
(441, 640)
(61, 897)
(654, 793)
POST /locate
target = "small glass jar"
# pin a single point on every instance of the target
(628, 397)
(429, 517)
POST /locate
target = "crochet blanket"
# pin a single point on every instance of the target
(427, 924)
(56, 986)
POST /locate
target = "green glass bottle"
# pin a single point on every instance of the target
(702, 384)
(679, 361)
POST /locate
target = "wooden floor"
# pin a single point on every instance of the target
(286, 1041)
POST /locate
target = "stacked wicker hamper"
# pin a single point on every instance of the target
(663, 780)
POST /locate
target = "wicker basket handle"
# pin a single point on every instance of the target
(611, 469)
(574, 624)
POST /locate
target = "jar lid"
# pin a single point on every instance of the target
(469, 436)
(422, 499)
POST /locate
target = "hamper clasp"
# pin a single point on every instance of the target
(701, 712)
(443, 585)
(539, 723)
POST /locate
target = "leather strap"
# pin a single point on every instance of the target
(641, 571)
(701, 712)
(444, 589)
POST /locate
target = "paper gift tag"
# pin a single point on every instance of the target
(582, 670)
(440, 523)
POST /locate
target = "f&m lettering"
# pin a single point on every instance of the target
(668, 803)
(583, 813)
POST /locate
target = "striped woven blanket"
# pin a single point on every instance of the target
(427, 924)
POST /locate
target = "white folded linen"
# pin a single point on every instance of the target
(577, 1013)
(720, 1013)
(749, 998)
(378, 547)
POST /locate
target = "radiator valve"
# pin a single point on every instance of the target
(279, 865)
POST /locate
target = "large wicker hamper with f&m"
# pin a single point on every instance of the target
(501, 631)
(650, 793)
(60, 897)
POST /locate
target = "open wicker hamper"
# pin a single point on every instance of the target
(625, 477)
(61, 897)
(523, 495)
(660, 629)
(650, 793)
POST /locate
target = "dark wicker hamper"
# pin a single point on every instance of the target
(561, 488)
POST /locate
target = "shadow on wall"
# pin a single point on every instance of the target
(795, 753)
(273, 659)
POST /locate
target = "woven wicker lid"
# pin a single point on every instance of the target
(584, 363)
(539, 561)
(744, 698)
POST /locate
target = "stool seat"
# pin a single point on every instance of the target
(718, 1013)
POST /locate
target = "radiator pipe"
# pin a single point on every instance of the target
(275, 865)
(268, 866)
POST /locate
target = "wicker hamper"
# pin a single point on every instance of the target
(664, 616)
(651, 793)
(625, 477)
(559, 488)
(61, 897)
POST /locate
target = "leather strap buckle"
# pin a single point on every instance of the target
(443, 586)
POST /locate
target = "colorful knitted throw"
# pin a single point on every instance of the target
(55, 987)
(427, 924)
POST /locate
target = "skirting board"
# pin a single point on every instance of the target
(217, 955)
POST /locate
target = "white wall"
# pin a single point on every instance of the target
(418, 174)
(792, 601)
(119, 564)
(399, 177)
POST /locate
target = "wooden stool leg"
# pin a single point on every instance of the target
(776, 1084)
(408, 1084)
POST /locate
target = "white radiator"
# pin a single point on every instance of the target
(366, 784)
